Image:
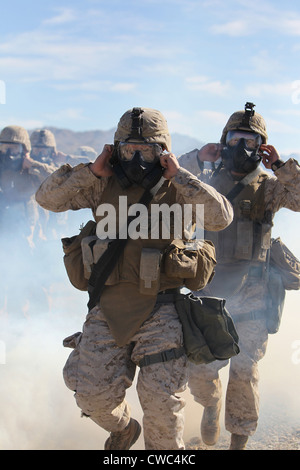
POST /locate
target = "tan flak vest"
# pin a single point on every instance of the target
(243, 246)
(131, 289)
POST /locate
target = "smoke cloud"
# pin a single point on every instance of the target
(39, 308)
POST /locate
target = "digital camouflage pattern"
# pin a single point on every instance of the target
(256, 124)
(98, 369)
(43, 138)
(100, 372)
(154, 129)
(16, 135)
(242, 397)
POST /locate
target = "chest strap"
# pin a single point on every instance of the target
(235, 191)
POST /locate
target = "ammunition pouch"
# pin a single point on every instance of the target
(194, 262)
(209, 333)
(149, 282)
(92, 249)
(286, 264)
(73, 259)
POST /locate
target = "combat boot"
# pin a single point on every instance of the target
(124, 439)
(238, 442)
(210, 427)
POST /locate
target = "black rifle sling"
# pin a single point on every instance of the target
(103, 268)
(235, 191)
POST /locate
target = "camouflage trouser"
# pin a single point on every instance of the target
(242, 396)
(99, 372)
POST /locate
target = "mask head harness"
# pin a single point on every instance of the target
(237, 155)
(137, 169)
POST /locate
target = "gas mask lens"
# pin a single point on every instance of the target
(42, 154)
(147, 152)
(252, 140)
(11, 149)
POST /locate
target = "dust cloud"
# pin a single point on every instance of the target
(39, 308)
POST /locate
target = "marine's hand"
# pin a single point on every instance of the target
(101, 166)
(27, 162)
(59, 158)
(210, 152)
(170, 163)
(269, 155)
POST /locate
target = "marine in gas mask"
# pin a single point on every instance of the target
(43, 146)
(244, 274)
(14, 145)
(20, 176)
(242, 138)
(136, 154)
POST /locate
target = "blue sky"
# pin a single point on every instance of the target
(80, 65)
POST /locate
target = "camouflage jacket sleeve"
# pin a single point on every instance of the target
(190, 162)
(283, 188)
(71, 189)
(41, 170)
(218, 212)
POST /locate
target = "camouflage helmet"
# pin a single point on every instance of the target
(154, 127)
(237, 121)
(15, 135)
(86, 151)
(43, 138)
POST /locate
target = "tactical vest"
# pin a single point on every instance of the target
(242, 247)
(131, 289)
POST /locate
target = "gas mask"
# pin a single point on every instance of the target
(43, 154)
(241, 153)
(138, 163)
(11, 157)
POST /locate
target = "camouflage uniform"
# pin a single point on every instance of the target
(242, 398)
(101, 383)
(19, 222)
(102, 365)
(18, 186)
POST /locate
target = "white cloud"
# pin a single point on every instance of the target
(215, 117)
(123, 87)
(65, 15)
(97, 86)
(232, 28)
(275, 127)
(17, 121)
(203, 83)
(73, 114)
(291, 26)
(259, 17)
(261, 89)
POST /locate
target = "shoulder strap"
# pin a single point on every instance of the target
(235, 191)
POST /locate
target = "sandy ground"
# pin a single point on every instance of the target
(39, 413)
(271, 435)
